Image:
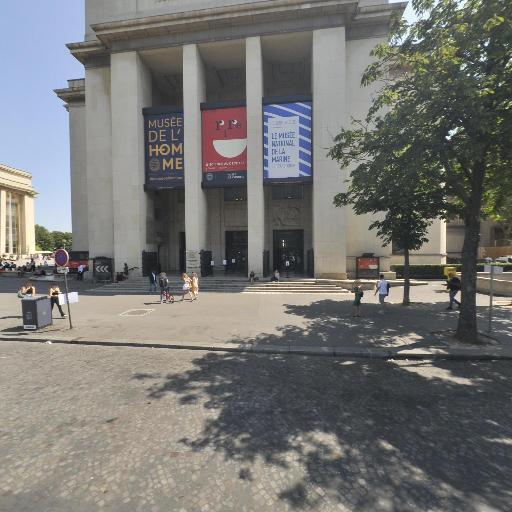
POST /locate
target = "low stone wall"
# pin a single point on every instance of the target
(502, 283)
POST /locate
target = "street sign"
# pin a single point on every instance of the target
(72, 298)
(62, 270)
(61, 257)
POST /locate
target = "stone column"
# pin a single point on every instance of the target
(194, 92)
(329, 115)
(26, 231)
(99, 162)
(3, 221)
(9, 223)
(255, 191)
(78, 167)
(131, 92)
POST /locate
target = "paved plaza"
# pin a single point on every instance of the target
(139, 429)
(230, 320)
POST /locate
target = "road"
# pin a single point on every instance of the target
(86, 428)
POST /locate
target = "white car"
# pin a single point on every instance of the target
(504, 259)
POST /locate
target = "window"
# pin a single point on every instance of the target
(291, 191)
(235, 194)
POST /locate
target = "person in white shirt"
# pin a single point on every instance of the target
(80, 272)
(382, 288)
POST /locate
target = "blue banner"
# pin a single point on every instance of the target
(163, 141)
(287, 141)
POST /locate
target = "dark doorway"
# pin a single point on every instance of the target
(289, 251)
(236, 252)
(183, 250)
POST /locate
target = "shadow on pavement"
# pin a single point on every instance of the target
(364, 435)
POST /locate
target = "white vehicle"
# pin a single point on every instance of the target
(504, 259)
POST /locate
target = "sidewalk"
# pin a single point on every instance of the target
(298, 324)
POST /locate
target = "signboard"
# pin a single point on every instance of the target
(224, 132)
(163, 146)
(287, 142)
(497, 269)
(103, 268)
(61, 257)
(367, 268)
(72, 298)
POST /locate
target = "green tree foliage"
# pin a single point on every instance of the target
(52, 240)
(446, 92)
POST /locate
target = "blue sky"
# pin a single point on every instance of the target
(33, 123)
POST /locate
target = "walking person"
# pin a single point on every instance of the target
(358, 295)
(152, 281)
(187, 283)
(54, 293)
(195, 286)
(80, 272)
(164, 287)
(382, 288)
(453, 284)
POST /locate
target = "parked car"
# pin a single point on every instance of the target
(504, 259)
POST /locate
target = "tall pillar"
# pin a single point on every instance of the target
(329, 115)
(131, 92)
(100, 211)
(3, 221)
(78, 167)
(255, 191)
(9, 223)
(26, 231)
(194, 92)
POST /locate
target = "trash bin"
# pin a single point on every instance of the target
(37, 312)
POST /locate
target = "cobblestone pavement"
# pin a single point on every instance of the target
(136, 429)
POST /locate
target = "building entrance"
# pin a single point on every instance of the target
(236, 252)
(289, 251)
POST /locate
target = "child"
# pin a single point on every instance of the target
(358, 295)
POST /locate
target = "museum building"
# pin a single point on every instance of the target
(199, 135)
(17, 231)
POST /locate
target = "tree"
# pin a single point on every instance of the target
(62, 240)
(44, 239)
(392, 183)
(446, 85)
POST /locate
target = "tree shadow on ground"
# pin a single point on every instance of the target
(330, 323)
(369, 436)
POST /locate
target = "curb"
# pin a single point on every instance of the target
(306, 350)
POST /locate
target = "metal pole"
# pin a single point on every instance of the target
(491, 290)
(67, 297)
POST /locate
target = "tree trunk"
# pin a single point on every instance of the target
(407, 279)
(467, 328)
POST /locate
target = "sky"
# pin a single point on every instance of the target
(34, 130)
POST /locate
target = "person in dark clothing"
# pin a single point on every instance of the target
(54, 292)
(453, 285)
(152, 281)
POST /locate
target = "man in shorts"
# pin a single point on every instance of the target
(382, 288)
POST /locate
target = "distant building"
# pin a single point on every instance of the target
(17, 231)
(199, 134)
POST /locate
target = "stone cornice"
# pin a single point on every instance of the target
(209, 20)
(74, 94)
(8, 181)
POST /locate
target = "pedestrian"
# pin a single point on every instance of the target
(187, 283)
(54, 293)
(276, 276)
(27, 289)
(164, 287)
(195, 286)
(252, 277)
(80, 272)
(358, 295)
(453, 285)
(152, 281)
(382, 288)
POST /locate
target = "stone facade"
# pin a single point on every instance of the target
(150, 53)
(17, 231)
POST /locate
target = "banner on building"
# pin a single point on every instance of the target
(224, 135)
(163, 142)
(287, 147)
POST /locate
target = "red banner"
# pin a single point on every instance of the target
(224, 134)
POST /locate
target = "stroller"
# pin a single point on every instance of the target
(168, 296)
